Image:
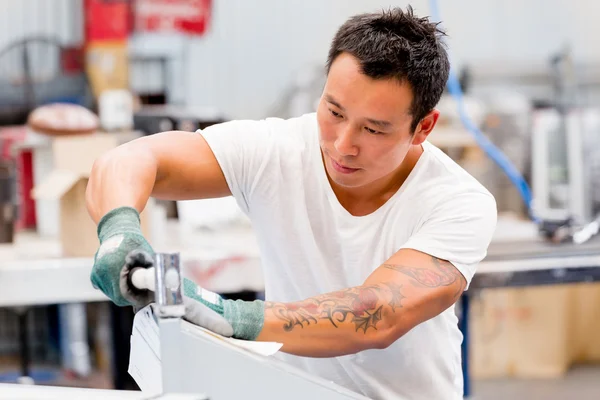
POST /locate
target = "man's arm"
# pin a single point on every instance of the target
(174, 165)
(410, 288)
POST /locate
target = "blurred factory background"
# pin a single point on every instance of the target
(502, 42)
(530, 74)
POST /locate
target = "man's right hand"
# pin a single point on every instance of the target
(122, 248)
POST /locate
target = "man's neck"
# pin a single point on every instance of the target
(366, 199)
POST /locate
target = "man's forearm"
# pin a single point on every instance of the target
(124, 176)
(337, 323)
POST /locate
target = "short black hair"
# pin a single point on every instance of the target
(397, 44)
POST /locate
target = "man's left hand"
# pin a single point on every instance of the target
(239, 319)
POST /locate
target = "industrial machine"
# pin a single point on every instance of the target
(565, 146)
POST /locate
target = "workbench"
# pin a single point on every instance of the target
(33, 271)
(518, 257)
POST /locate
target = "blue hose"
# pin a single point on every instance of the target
(483, 142)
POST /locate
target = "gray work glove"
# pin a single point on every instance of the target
(122, 248)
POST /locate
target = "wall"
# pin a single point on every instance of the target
(256, 48)
(60, 19)
(524, 31)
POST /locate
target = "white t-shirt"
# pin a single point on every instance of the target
(311, 245)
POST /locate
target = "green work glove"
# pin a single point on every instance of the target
(122, 248)
(237, 318)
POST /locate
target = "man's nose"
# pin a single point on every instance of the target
(346, 142)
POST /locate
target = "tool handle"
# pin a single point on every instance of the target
(164, 279)
(143, 278)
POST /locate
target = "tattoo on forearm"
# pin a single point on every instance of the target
(395, 301)
(365, 306)
(443, 274)
(362, 306)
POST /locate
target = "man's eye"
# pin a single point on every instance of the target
(335, 114)
(371, 130)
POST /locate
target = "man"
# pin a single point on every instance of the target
(368, 233)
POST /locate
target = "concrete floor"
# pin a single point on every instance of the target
(581, 383)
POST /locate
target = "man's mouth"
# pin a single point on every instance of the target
(342, 168)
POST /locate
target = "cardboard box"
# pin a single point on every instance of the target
(534, 332)
(522, 332)
(73, 158)
(107, 66)
(586, 324)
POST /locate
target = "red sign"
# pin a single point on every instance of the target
(106, 20)
(181, 16)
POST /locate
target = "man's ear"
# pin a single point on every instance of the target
(425, 127)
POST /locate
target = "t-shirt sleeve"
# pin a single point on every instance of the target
(458, 230)
(243, 149)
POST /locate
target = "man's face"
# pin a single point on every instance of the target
(364, 124)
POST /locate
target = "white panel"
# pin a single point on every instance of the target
(585, 29)
(146, 77)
